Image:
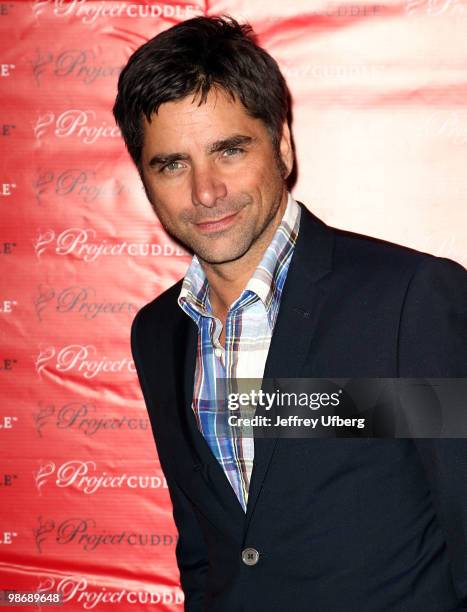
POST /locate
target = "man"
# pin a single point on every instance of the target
(322, 525)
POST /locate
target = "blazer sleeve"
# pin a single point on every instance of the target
(433, 344)
(433, 324)
(191, 549)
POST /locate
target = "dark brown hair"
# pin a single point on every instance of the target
(191, 58)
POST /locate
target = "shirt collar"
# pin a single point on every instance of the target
(263, 282)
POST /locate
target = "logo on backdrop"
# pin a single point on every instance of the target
(78, 589)
(7, 421)
(6, 70)
(83, 359)
(8, 480)
(448, 125)
(84, 244)
(7, 306)
(433, 8)
(90, 12)
(85, 418)
(77, 183)
(79, 64)
(7, 537)
(74, 123)
(7, 248)
(85, 477)
(80, 300)
(85, 533)
(7, 364)
(7, 129)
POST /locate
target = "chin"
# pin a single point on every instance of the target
(234, 249)
(219, 257)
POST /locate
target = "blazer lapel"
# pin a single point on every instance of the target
(296, 321)
(206, 463)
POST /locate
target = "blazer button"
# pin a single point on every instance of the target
(250, 556)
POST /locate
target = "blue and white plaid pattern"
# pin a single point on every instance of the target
(249, 325)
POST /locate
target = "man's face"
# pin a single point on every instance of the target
(213, 176)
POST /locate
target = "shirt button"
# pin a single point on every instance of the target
(250, 556)
(218, 352)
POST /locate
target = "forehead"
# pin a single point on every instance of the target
(186, 121)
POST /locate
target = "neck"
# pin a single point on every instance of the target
(228, 280)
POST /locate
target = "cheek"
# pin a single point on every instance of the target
(255, 175)
(173, 192)
(167, 211)
(268, 179)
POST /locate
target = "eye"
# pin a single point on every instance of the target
(232, 151)
(171, 167)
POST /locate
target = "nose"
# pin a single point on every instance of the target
(207, 186)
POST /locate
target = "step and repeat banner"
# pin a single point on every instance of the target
(380, 127)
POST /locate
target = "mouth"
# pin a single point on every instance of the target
(217, 225)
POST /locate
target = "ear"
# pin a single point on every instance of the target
(285, 149)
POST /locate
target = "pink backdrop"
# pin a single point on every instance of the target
(380, 127)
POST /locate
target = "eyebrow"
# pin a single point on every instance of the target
(232, 141)
(219, 145)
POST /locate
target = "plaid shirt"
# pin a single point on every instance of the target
(249, 326)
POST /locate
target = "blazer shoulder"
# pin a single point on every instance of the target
(359, 256)
(377, 255)
(360, 245)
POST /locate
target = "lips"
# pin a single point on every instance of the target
(217, 224)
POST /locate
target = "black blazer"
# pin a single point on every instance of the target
(361, 525)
